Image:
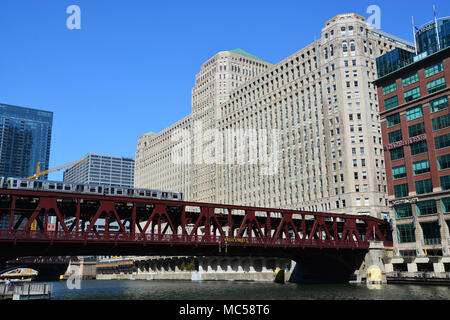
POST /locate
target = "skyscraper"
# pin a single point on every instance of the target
(25, 137)
(101, 169)
(321, 109)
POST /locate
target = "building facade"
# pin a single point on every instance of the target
(192, 174)
(415, 120)
(314, 115)
(101, 169)
(25, 138)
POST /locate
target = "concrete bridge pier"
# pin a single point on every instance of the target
(372, 269)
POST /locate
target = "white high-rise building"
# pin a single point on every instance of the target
(317, 108)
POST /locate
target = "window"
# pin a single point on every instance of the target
(436, 85)
(395, 136)
(412, 94)
(442, 141)
(439, 67)
(393, 120)
(421, 167)
(439, 104)
(401, 190)
(414, 113)
(397, 154)
(389, 88)
(418, 148)
(403, 210)
(358, 202)
(405, 233)
(411, 79)
(426, 207)
(398, 172)
(446, 205)
(441, 122)
(445, 182)
(391, 103)
(424, 186)
(416, 130)
(443, 162)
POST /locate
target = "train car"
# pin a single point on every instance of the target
(71, 187)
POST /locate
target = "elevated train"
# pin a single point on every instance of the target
(93, 189)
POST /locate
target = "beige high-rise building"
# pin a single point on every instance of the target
(318, 110)
(154, 163)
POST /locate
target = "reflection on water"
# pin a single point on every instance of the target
(233, 290)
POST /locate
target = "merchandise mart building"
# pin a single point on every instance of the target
(415, 120)
(324, 106)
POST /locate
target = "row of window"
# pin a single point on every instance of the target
(423, 208)
(431, 232)
(410, 95)
(422, 187)
(430, 71)
(421, 167)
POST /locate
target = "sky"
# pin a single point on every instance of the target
(130, 68)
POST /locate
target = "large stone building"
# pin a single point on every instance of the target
(303, 133)
(413, 94)
(155, 166)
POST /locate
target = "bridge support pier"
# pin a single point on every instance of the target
(372, 269)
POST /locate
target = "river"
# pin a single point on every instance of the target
(234, 290)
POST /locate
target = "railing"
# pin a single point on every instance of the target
(178, 239)
(27, 290)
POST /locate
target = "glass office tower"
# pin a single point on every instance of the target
(25, 136)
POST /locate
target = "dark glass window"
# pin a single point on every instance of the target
(401, 190)
(416, 129)
(419, 147)
(445, 182)
(442, 141)
(441, 122)
(395, 136)
(391, 103)
(393, 120)
(397, 153)
(446, 205)
(405, 233)
(424, 186)
(403, 210)
(443, 162)
(426, 207)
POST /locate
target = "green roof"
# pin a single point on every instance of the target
(246, 54)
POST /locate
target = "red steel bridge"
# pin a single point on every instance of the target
(148, 227)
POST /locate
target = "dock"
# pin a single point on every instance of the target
(27, 291)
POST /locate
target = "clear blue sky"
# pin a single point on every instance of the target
(131, 67)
